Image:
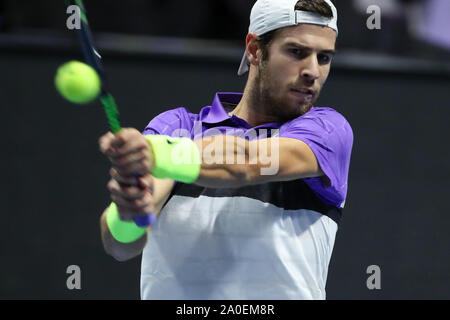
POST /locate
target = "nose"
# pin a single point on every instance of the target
(311, 70)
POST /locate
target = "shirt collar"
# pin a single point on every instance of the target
(217, 113)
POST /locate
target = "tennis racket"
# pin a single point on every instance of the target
(94, 59)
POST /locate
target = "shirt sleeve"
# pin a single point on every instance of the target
(174, 123)
(330, 137)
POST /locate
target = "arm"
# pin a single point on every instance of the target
(227, 161)
(137, 201)
(262, 161)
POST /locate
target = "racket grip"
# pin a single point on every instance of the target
(144, 220)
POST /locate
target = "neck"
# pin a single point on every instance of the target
(253, 110)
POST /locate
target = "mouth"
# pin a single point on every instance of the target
(304, 92)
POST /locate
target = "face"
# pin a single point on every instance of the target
(289, 82)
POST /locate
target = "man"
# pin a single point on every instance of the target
(261, 178)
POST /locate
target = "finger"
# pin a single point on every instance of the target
(146, 182)
(129, 148)
(134, 145)
(128, 180)
(124, 136)
(128, 133)
(119, 140)
(126, 192)
(127, 216)
(105, 141)
(138, 168)
(125, 160)
(111, 152)
(137, 206)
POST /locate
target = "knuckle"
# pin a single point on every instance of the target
(147, 199)
(142, 142)
(134, 131)
(141, 170)
(128, 132)
(110, 185)
(142, 154)
(120, 172)
(114, 198)
(136, 205)
(129, 192)
(120, 161)
(121, 168)
(149, 181)
(113, 173)
(106, 138)
(140, 204)
(117, 174)
(124, 192)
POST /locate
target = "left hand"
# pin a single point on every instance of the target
(132, 199)
(129, 152)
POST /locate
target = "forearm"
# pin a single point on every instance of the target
(231, 162)
(225, 161)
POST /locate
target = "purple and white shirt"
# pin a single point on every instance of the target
(268, 241)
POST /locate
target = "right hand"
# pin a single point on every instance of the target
(133, 196)
(128, 151)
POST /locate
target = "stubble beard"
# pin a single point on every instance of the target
(262, 94)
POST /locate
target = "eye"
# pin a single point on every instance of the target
(324, 58)
(298, 53)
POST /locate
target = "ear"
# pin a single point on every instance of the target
(253, 49)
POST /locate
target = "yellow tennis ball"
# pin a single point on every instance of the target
(78, 82)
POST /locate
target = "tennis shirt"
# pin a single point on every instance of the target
(267, 241)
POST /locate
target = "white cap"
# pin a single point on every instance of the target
(269, 15)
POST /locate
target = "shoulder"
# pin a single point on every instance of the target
(174, 115)
(324, 119)
(171, 120)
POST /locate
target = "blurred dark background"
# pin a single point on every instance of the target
(418, 28)
(391, 84)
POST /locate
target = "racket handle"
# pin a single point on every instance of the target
(145, 221)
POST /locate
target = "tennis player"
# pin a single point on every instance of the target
(248, 193)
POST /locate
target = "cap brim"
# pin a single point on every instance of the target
(243, 68)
